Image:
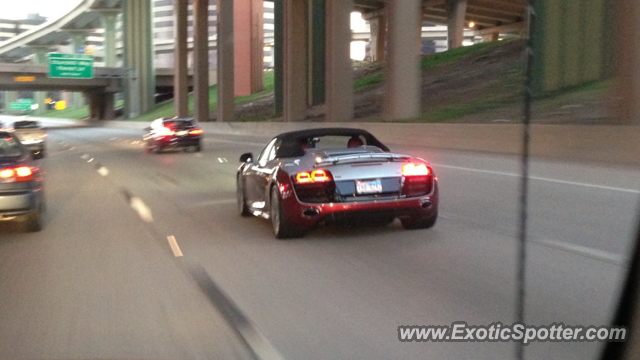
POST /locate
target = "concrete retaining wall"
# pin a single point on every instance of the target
(610, 144)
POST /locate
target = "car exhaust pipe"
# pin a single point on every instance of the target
(426, 204)
(311, 212)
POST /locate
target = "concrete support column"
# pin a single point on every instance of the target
(491, 37)
(140, 85)
(316, 51)
(180, 55)
(9, 97)
(456, 12)
(248, 25)
(378, 37)
(402, 68)
(109, 106)
(201, 59)
(226, 72)
(101, 105)
(626, 107)
(78, 41)
(295, 60)
(278, 56)
(40, 58)
(109, 24)
(339, 73)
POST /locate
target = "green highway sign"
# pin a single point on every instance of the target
(71, 66)
(26, 101)
(20, 106)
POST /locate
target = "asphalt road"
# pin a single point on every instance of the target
(102, 281)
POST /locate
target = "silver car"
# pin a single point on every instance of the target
(21, 196)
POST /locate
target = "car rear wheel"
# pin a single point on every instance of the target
(414, 223)
(282, 227)
(34, 222)
(242, 202)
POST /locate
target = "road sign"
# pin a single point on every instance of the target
(20, 106)
(71, 66)
(26, 101)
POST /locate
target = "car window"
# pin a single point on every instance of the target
(268, 151)
(178, 124)
(26, 125)
(9, 146)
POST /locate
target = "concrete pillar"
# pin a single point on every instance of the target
(226, 73)
(339, 73)
(626, 106)
(278, 56)
(317, 42)
(201, 59)
(109, 24)
(248, 26)
(9, 97)
(456, 12)
(109, 106)
(378, 26)
(40, 58)
(402, 68)
(180, 55)
(78, 41)
(491, 37)
(140, 84)
(295, 60)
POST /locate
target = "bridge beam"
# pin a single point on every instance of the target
(138, 57)
(402, 68)
(456, 12)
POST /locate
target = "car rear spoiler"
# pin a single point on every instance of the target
(359, 158)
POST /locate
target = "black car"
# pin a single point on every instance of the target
(173, 133)
(21, 196)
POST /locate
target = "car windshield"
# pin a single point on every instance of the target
(9, 146)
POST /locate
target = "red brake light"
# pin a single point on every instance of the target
(315, 176)
(17, 174)
(415, 170)
(195, 132)
(320, 176)
(303, 178)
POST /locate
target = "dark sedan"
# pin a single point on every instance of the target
(173, 133)
(21, 196)
(305, 177)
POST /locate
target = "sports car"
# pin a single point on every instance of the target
(306, 177)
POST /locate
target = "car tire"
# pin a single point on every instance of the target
(242, 203)
(282, 227)
(415, 223)
(34, 222)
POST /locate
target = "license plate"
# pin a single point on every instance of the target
(181, 133)
(368, 186)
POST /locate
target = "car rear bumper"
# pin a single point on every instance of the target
(19, 203)
(177, 142)
(305, 214)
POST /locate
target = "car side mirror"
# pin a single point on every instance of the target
(247, 157)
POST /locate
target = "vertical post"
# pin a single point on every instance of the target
(295, 60)
(78, 41)
(317, 51)
(248, 25)
(226, 76)
(201, 59)
(456, 12)
(402, 81)
(339, 73)
(180, 72)
(278, 56)
(627, 64)
(140, 85)
(378, 26)
(109, 24)
(40, 57)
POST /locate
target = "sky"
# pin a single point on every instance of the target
(19, 9)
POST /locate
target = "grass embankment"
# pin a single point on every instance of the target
(430, 61)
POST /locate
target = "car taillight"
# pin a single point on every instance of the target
(415, 170)
(194, 132)
(17, 174)
(316, 176)
(165, 131)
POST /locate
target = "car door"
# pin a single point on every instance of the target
(256, 176)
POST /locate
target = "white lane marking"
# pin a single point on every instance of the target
(141, 208)
(90, 160)
(103, 171)
(225, 159)
(84, 156)
(219, 160)
(584, 251)
(603, 187)
(174, 246)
